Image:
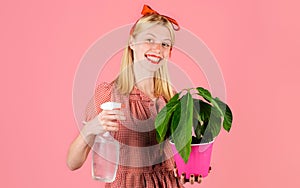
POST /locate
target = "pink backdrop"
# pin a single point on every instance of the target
(256, 44)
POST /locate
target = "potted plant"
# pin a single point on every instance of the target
(192, 119)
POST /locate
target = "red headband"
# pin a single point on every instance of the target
(148, 10)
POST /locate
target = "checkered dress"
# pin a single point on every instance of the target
(143, 162)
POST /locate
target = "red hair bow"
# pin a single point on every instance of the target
(148, 10)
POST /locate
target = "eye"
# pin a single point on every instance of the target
(151, 41)
(165, 45)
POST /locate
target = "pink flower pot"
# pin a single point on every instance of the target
(199, 161)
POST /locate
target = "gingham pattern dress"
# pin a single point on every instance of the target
(143, 162)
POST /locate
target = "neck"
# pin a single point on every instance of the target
(147, 86)
(144, 81)
(140, 73)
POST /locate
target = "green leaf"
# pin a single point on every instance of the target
(182, 135)
(227, 121)
(198, 131)
(214, 124)
(207, 138)
(204, 116)
(162, 121)
(174, 98)
(196, 115)
(203, 127)
(208, 97)
(175, 118)
(185, 152)
(222, 108)
(204, 93)
(205, 110)
(160, 124)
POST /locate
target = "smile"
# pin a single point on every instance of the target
(153, 58)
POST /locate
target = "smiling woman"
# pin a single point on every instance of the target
(150, 44)
(149, 54)
(143, 88)
(154, 44)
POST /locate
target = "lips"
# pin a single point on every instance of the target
(153, 58)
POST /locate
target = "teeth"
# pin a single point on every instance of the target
(155, 59)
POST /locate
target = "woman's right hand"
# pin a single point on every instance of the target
(107, 120)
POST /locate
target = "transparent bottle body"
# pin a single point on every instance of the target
(105, 158)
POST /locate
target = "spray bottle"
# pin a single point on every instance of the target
(106, 151)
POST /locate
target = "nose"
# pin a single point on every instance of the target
(156, 46)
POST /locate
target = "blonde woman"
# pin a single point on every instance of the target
(143, 87)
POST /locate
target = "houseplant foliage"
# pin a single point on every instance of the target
(192, 110)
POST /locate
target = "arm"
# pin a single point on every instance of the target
(97, 121)
(78, 152)
(81, 146)
(79, 149)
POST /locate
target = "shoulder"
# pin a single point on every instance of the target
(104, 87)
(103, 92)
(101, 95)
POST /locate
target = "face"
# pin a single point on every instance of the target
(151, 47)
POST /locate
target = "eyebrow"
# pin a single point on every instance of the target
(156, 37)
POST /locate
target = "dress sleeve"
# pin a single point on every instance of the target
(102, 94)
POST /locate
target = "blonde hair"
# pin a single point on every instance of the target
(125, 81)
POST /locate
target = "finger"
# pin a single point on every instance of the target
(111, 112)
(182, 178)
(110, 125)
(175, 172)
(192, 179)
(112, 129)
(112, 117)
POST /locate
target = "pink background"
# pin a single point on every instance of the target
(255, 42)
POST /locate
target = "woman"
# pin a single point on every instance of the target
(143, 87)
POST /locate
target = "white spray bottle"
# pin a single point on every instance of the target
(106, 149)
